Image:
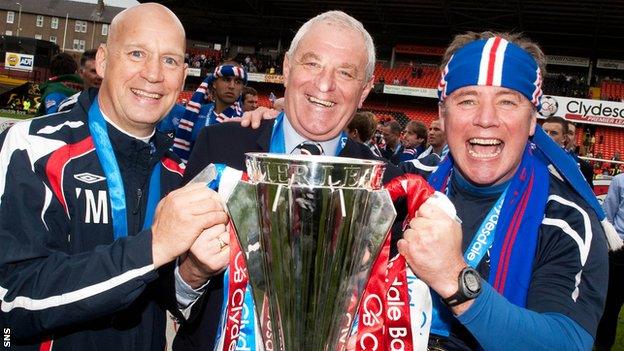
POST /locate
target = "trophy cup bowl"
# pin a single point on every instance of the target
(310, 228)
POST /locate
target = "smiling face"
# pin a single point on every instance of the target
(325, 80)
(487, 129)
(142, 66)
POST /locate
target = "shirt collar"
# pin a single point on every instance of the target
(464, 184)
(292, 139)
(143, 139)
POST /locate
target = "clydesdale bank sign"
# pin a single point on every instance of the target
(608, 113)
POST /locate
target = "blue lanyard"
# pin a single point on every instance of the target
(480, 244)
(106, 155)
(153, 196)
(484, 237)
(278, 144)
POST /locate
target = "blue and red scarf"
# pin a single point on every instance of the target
(516, 236)
(515, 240)
(186, 130)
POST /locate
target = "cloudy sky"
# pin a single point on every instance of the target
(116, 3)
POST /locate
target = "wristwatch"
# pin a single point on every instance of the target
(469, 282)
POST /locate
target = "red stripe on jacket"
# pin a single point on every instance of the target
(57, 162)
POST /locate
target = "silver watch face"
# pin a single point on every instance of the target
(472, 282)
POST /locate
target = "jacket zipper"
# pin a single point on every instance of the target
(137, 206)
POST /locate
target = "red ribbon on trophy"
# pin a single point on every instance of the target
(384, 317)
(237, 284)
(236, 292)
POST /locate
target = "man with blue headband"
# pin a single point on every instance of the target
(225, 85)
(527, 268)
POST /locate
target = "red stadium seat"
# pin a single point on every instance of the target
(612, 90)
(403, 72)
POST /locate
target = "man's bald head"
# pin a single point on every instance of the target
(149, 11)
(142, 66)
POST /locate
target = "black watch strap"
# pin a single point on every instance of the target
(455, 299)
(469, 287)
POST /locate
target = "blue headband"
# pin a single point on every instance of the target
(228, 71)
(492, 62)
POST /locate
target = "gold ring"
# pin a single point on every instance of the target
(222, 244)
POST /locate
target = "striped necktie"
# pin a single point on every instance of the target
(308, 148)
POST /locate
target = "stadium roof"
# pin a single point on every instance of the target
(589, 28)
(61, 8)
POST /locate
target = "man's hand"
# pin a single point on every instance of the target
(255, 117)
(432, 248)
(208, 256)
(181, 217)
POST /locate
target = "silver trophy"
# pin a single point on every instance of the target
(311, 228)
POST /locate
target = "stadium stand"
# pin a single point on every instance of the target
(568, 84)
(402, 114)
(403, 74)
(612, 90)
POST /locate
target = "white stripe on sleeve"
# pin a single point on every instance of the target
(72, 296)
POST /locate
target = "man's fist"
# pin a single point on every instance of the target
(181, 217)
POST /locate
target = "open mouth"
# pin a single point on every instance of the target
(484, 148)
(319, 102)
(145, 94)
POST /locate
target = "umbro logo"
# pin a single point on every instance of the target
(88, 178)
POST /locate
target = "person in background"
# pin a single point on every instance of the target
(89, 76)
(607, 329)
(225, 85)
(378, 137)
(63, 83)
(412, 141)
(361, 129)
(557, 129)
(250, 99)
(88, 73)
(392, 134)
(572, 149)
(427, 162)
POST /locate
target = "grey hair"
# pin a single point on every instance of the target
(343, 19)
